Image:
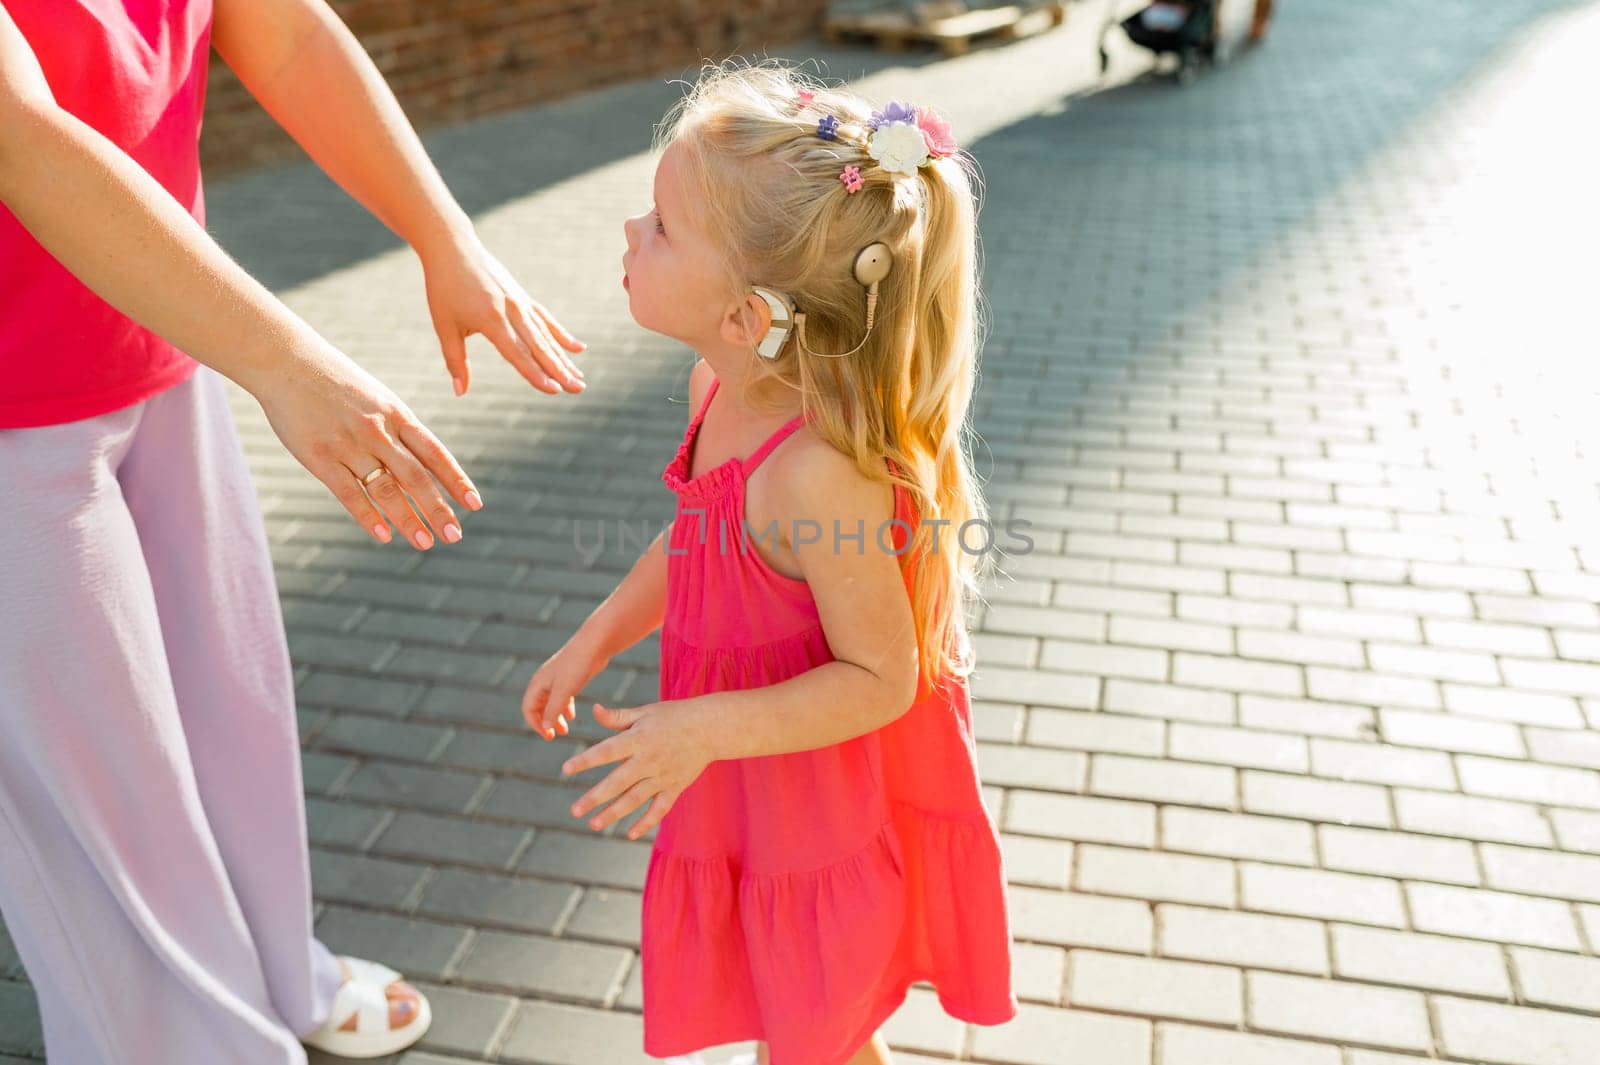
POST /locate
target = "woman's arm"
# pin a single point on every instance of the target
(312, 76)
(120, 233)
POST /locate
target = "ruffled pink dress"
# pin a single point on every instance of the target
(794, 898)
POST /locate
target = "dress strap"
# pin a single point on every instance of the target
(773, 441)
(705, 404)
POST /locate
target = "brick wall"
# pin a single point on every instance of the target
(449, 59)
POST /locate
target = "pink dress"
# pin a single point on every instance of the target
(794, 898)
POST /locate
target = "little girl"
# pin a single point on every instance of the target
(823, 841)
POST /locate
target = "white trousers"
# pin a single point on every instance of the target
(153, 864)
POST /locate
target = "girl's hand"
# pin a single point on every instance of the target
(548, 703)
(341, 423)
(469, 292)
(662, 748)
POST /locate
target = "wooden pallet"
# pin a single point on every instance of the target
(950, 27)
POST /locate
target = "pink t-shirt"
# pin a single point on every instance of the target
(135, 70)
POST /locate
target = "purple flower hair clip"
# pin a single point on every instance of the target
(851, 177)
(895, 113)
(828, 128)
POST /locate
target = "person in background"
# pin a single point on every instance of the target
(153, 851)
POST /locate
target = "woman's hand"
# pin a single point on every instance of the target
(342, 423)
(548, 703)
(469, 291)
(663, 748)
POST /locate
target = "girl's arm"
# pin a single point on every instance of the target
(865, 612)
(124, 236)
(310, 73)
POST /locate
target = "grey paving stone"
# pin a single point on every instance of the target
(489, 900)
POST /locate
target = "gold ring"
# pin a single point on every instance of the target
(374, 475)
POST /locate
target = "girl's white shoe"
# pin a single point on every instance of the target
(744, 1059)
(364, 996)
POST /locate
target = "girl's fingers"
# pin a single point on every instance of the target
(626, 803)
(616, 782)
(652, 817)
(454, 346)
(554, 708)
(612, 749)
(536, 338)
(438, 461)
(568, 341)
(346, 488)
(510, 345)
(533, 703)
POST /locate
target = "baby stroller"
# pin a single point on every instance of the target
(1186, 28)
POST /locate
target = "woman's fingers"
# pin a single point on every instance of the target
(454, 346)
(510, 345)
(388, 494)
(536, 336)
(413, 477)
(432, 453)
(346, 488)
(568, 341)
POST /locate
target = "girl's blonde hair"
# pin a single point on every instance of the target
(767, 188)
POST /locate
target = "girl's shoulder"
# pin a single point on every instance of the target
(811, 480)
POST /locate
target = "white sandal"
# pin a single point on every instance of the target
(363, 997)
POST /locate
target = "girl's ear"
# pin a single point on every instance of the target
(746, 321)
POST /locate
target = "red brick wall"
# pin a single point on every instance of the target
(449, 59)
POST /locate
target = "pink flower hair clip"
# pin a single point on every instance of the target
(851, 177)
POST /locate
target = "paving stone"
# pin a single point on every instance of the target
(1181, 1044)
(426, 950)
(526, 964)
(1492, 915)
(1154, 875)
(1470, 817)
(1384, 853)
(1315, 893)
(1231, 835)
(1142, 778)
(1038, 1033)
(1081, 731)
(1083, 818)
(1330, 1009)
(1156, 987)
(1410, 960)
(1044, 916)
(452, 840)
(1244, 939)
(488, 900)
(1333, 801)
(1489, 1032)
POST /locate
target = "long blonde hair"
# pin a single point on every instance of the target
(767, 188)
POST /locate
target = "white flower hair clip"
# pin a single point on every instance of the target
(906, 137)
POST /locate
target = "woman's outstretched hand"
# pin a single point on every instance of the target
(341, 423)
(662, 748)
(469, 291)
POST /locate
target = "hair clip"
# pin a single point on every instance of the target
(828, 128)
(806, 96)
(851, 176)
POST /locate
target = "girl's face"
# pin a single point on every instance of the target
(676, 283)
